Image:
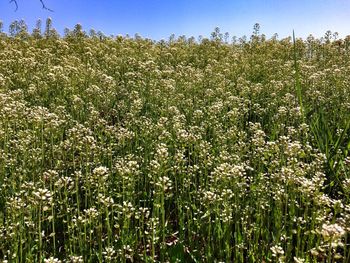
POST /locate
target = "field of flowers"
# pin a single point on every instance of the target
(124, 149)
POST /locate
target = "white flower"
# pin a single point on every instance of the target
(52, 260)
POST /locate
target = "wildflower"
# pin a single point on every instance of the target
(277, 251)
(332, 231)
(52, 260)
(298, 260)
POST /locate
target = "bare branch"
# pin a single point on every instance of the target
(41, 1)
(16, 4)
(45, 7)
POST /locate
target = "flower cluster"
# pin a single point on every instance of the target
(121, 149)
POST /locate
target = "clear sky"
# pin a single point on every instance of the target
(158, 19)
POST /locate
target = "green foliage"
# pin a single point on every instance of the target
(120, 149)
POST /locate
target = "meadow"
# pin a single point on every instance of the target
(125, 149)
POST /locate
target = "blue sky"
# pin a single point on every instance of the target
(158, 19)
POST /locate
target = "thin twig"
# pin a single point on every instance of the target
(45, 7)
(14, 1)
(41, 1)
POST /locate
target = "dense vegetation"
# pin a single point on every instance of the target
(119, 149)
